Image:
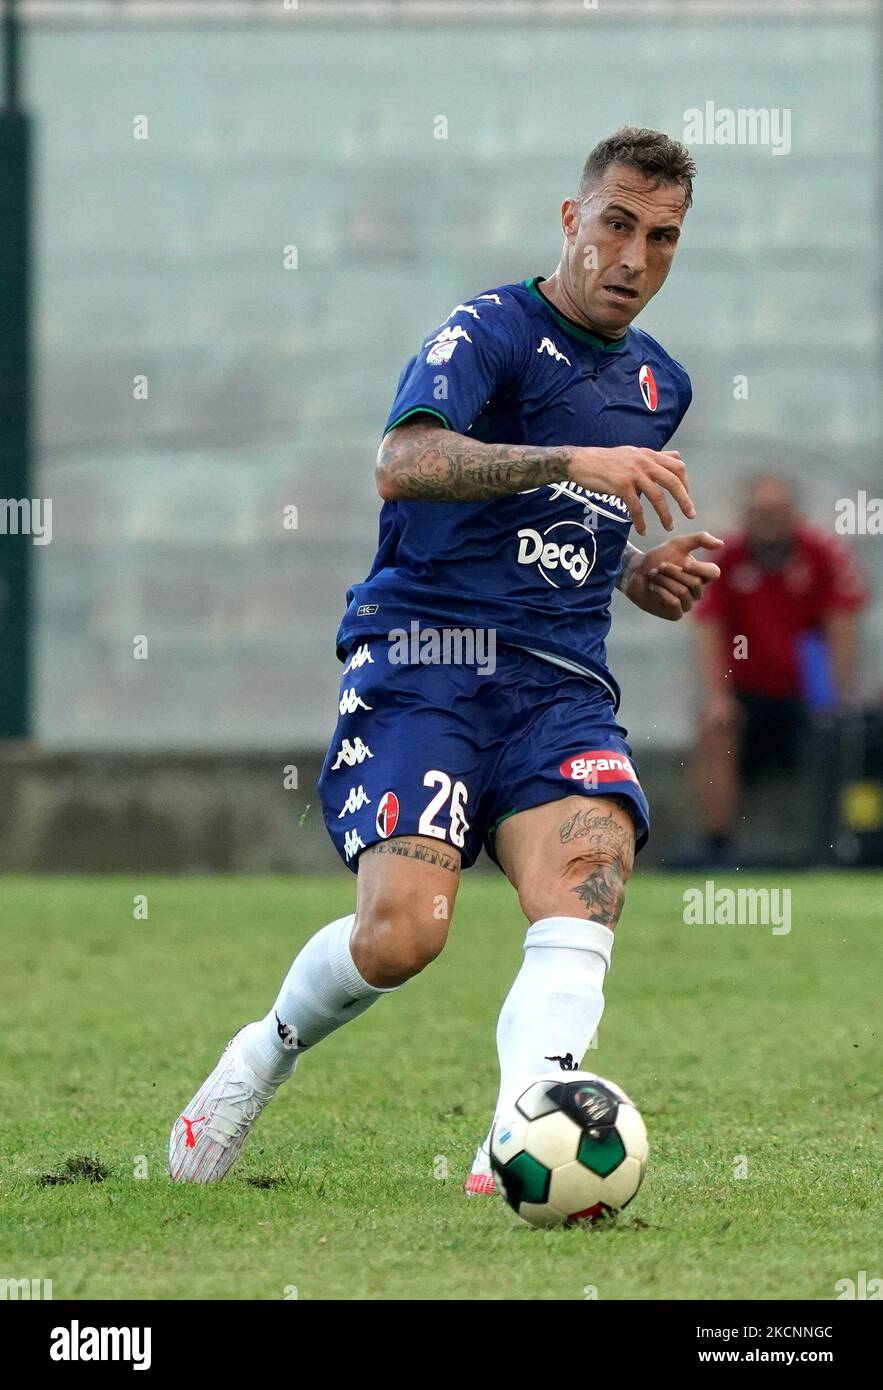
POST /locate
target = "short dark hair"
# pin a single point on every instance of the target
(655, 154)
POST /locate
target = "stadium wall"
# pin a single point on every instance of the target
(235, 812)
(160, 268)
(190, 387)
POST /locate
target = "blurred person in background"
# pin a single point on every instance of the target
(778, 641)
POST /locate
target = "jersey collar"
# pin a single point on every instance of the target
(570, 325)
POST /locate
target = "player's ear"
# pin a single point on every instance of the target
(570, 218)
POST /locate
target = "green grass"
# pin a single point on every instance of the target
(732, 1041)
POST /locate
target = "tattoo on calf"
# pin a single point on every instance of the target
(412, 849)
(603, 893)
(612, 844)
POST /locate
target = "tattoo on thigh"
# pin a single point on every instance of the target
(413, 849)
(611, 846)
(604, 832)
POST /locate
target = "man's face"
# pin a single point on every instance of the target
(770, 515)
(620, 243)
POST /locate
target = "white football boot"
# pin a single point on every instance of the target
(207, 1137)
(481, 1181)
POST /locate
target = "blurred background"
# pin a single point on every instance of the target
(226, 225)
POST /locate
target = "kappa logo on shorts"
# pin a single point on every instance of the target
(350, 702)
(599, 765)
(356, 798)
(352, 753)
(387, 815)
(352, 843)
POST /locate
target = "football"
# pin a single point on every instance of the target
(572, 1149)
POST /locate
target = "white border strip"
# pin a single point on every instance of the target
(69, 13)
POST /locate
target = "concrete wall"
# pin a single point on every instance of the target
(230, 813)
(162, 258)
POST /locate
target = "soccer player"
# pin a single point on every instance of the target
(526, 437)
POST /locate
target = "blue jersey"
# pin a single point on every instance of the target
(538, 567)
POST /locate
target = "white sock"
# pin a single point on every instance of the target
(554, 1007)
(322, 991)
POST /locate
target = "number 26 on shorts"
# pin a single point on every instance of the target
(457, 795)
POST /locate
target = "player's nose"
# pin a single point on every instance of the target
(634, 257)
(634, 265)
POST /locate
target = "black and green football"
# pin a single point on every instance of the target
(571, 1148)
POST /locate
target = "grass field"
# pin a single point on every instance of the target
(731, 1040)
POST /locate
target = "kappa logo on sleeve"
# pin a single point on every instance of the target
(471, 309)
(598, 766)
(441, 347)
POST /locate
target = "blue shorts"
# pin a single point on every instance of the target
(447, 752)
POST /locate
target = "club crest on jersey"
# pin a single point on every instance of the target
(387, 815)
(598, 766)
(647, 383)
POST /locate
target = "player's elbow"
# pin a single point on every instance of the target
(385, 469)
(400, 456)
(386, 481)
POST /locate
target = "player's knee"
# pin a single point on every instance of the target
(590, 884)
(390, 943)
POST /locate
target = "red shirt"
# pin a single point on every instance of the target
(773, 610)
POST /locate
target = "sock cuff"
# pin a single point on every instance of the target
(571, 934)
(346, 973)
(340, 959)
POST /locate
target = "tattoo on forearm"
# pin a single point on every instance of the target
(413, 849)
(433, 465)
(612, 846)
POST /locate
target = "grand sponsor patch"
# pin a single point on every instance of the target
(598, 766)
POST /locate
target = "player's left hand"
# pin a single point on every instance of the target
(668, 579)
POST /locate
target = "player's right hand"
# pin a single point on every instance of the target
(631, 474)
